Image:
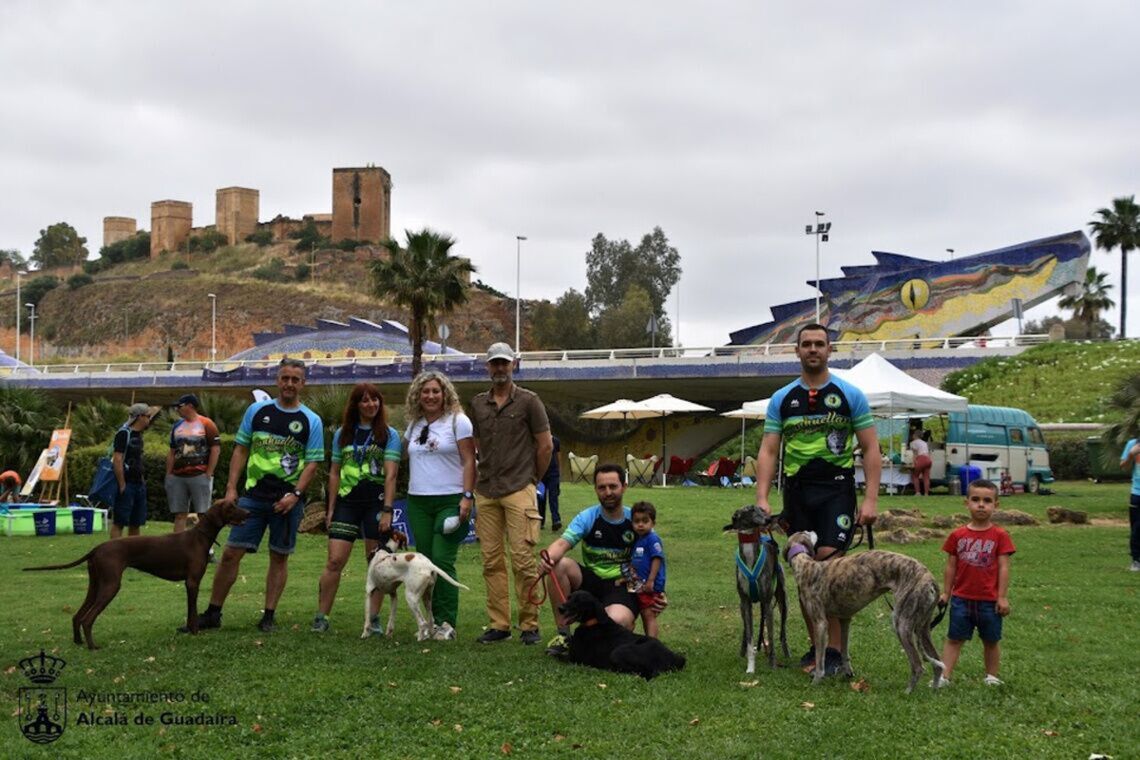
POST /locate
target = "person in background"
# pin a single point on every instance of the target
(1130, 460)
(9, 487)
(550, 490)
(129, 510)
(191, 461)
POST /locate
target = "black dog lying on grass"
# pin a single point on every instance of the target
(601, 643)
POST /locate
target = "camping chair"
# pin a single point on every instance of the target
(641, 470)
(582, 468)
(726, 469)
(748, 471)
(679, 468)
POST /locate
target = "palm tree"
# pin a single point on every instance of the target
(1123, 406)
(424, 278)
(27, 417)
(1119, 227)
(1090, 301)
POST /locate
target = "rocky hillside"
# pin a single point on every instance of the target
(138, 309)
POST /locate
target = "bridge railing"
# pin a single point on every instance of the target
(669, 353)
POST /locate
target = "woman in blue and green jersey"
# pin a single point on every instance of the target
(362, 487)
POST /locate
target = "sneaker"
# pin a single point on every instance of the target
(556, 527)
(1135, 566)
(832, 662)
(557, 646)
(991, 680)
(808, 660)
(530, 638)
(205, 622)
(443, 632)
(267, 626)
(491, 635)
(320, 624)
(374, 627)
(941, 683)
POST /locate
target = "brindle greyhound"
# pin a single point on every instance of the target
(759, 580)
(173, 557)
(841, 586)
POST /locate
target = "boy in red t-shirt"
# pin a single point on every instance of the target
(977, 570)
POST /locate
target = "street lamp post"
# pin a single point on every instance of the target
(19, 308)
(32, 347)
(821, 230)
(951, 252)
(518, 291)
(213, 327)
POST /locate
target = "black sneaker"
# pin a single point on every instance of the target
(491, 635)
(808, 660)
(557, 646)
(205, 622)
(555, 527)
(529, 638)
(832, 662)
(267, 626)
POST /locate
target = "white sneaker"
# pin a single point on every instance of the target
(1135, 566)
(990, 680)
(444, 632)
(941, 683)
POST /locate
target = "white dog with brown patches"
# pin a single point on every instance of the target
(841, 586)
(393, 565)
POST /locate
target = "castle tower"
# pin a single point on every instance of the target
(236, 212)
(170, 223)
(362, 204)
(116, 228)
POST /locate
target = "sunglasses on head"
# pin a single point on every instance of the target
(423, 435)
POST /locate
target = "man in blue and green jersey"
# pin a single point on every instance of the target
(818, 418)
(279, 444)
(606, 533)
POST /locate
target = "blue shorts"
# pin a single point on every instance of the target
(968, 614)
(282, 528)
(130, 506)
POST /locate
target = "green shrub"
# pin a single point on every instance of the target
(207, 242)
(94, 266)
(350, 245)
(262, 238)
(272, 271)
(1069, 459)
(302, 272)
(180, 264)
(134, 247)
(78, 280)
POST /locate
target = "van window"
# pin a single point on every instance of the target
(1036, 437)
(1016, 436)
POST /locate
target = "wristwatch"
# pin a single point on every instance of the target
(298, 494)
(386, 509)
(468, 495)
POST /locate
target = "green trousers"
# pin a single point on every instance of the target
(425, 517)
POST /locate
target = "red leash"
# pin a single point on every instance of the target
(538, 601)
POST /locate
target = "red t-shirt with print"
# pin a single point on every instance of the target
(977, 552)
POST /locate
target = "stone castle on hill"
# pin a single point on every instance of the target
(361, 210)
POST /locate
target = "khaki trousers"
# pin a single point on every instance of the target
(515, 517)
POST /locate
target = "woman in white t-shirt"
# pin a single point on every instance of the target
(441, 478)
(920, 470)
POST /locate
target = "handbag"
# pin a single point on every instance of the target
(104, 486)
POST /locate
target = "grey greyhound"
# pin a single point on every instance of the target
(841, 586)
(759, 580)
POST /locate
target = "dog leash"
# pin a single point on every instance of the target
(540, 600)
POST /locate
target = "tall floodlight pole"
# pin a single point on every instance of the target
(518, 291)
(213, 326)
(821, 230)
(32, 347)
(951, 252)
(19, 308)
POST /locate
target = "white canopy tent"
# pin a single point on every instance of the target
(892, 392)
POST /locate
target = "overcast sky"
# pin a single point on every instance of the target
(915, 127)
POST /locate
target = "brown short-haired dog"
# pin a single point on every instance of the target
(172, 557)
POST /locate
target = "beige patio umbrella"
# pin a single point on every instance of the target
(664, 404)
(750, 410)
(622, 409)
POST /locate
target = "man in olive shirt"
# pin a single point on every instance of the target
(512, 437)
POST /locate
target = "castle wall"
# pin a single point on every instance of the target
(236, 211)
(362, 204)
(170, 223)
(117, 228)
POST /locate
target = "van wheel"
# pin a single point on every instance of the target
(1034, 484)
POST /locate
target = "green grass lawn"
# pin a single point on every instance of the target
(1070, 657)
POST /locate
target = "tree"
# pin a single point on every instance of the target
(613, 266)
(309, 237)
(1091, 300)
(563, 325)
(624, 326)
(27, 417)
(38, 287)
(1119, 227)
(13, 257)
(137, 246)
(58, 246)
(424, 278)
(1124, 409)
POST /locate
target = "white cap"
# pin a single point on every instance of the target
(451, 524)
(500, 351)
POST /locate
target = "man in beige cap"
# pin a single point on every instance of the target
(127, 462)
(513, 442)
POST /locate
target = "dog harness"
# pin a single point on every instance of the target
(753, 573)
